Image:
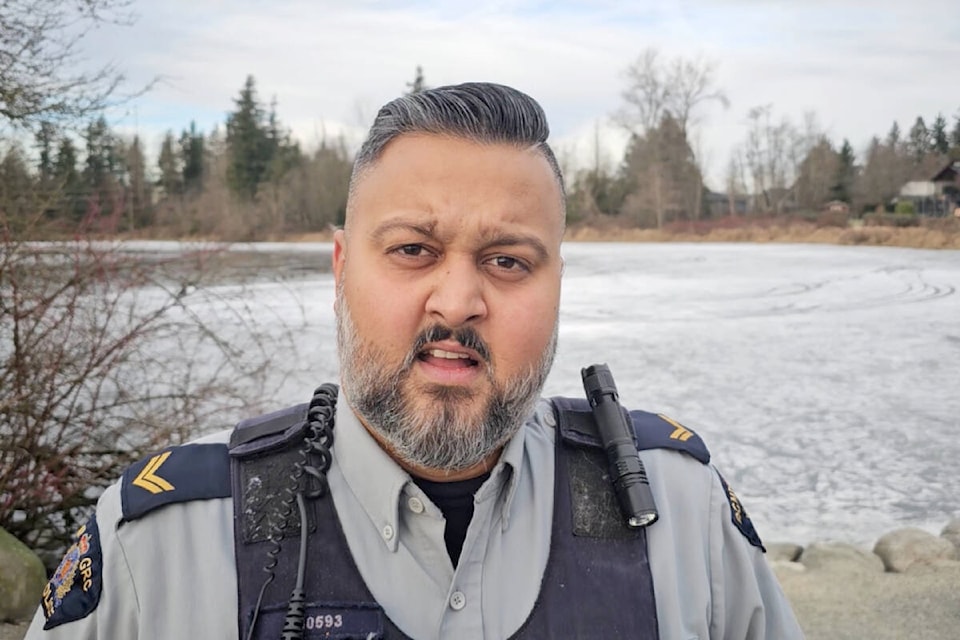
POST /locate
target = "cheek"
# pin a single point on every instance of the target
(524, 329)
(384, 314)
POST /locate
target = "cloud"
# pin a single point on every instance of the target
(330, 65)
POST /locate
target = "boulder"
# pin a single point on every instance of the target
(783, 551)
(901, 548)
(22, 578)
(952, 533)
(839, 557)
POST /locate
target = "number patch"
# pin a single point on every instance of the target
(329, 621)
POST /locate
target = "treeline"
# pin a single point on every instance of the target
(246, 180)
(780, 167)
(250, 180)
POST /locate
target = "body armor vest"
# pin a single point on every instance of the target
(597, 582)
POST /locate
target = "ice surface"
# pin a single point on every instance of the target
(824, 379)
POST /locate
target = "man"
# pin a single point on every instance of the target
(451, 503)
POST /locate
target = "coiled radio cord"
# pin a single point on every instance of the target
(307, 482)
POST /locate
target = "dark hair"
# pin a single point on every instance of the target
(478, 111)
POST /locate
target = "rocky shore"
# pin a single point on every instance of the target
(907, 586)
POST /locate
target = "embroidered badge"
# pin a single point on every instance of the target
(73, 591)
(739, 517)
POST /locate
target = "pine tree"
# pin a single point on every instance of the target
(846, 173)
(138, 211)
(248, 143)
(955, 132)
(919, 140)
(418, 83)
(192, 151)
(938, 135)
(893, 137)
(169, 165)
(68, 180)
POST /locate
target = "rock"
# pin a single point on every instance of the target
(901, 548)
(778, 551)
(844, 558)
(22, 578)
(952, 533)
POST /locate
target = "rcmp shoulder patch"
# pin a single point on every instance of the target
(178, 474)
(73, 591)
(739, 517)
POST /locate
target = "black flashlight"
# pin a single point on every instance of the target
(616, 434)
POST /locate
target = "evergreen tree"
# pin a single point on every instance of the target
(846, 173)
(138, 202)
(248, 143)
(46, 138)
(919, 140)
(169, 165)
(192, 152)
(938, 135)
(893, 137)
(68, 180)
(418, 83)
(99, 162)
(955, 132)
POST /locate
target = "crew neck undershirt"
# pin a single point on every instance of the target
(455, 500)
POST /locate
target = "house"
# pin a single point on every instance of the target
(837, 206)
(939, 196)
(718, 205)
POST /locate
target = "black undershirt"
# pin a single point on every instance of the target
(455, 500)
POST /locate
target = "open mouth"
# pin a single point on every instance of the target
(447, 359)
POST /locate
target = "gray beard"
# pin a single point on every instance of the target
(441, 435)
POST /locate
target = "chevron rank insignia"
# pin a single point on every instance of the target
(73, 591)
(178, 474)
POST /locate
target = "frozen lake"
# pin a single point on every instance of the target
(824, 379)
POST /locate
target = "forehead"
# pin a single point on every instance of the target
(440, 174)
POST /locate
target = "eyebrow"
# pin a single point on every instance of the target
(490, 237)
(426, 229)
(498, 239)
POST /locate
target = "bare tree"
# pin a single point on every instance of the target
(662, 102)
(40, 57)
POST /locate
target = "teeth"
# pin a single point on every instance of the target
(449, 355)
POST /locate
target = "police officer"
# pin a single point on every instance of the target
(433, 495)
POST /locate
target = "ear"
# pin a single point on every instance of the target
(339, 254)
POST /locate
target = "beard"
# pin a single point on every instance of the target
(434, 426)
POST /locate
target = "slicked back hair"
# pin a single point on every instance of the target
(481, 112)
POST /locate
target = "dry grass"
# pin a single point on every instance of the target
(946, 237)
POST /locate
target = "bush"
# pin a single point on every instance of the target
(904, 208)
(98, 366)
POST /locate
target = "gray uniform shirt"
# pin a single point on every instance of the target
(171, 574)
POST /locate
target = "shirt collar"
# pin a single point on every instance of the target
(378, 482)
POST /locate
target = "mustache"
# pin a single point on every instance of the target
(466, 336)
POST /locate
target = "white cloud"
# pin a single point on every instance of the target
(330, 64)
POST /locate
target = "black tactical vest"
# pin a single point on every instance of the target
(597, 582)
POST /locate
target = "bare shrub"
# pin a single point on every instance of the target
(105, 356)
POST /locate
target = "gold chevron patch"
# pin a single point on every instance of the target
(681, 433)
(148, 478)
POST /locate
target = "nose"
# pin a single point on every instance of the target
(456, 296)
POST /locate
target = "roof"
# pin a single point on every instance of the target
(948, 173)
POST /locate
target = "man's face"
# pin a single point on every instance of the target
(448, 287)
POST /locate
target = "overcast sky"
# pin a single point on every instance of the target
(330, 64)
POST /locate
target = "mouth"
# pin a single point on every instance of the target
(449, 358)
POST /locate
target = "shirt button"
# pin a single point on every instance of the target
(549, 418)
(387, 532)
(458, 600)
(415, 504)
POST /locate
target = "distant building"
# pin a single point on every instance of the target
(719, 205)
(837, 206)
(939, 196)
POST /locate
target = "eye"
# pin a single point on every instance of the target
(508, 264)
(412, 250)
